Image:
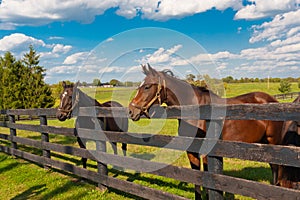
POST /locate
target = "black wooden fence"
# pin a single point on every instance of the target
(214, 179)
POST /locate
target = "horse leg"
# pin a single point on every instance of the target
(195, 164)
(82, 145)
(114, 147)
(274, 136)
(124, 148)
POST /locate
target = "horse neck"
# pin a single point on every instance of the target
(87, 101)
(182, 93)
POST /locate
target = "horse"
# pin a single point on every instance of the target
(72, 98)
(288, 176)
(162, 87)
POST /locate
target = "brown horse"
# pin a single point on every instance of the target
(72, 99)
(290, 176)
(159, 87)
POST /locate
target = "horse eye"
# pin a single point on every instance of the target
(147, 87)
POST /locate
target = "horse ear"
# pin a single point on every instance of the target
(64, 84)
(151, 70)
(145, 70)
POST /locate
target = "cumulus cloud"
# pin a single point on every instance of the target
(75, 58)
(60, 48)
(282, 26)
(15, 13)
(19, 41)
(266, 8)
(161, 55)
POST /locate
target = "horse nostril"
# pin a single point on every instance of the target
(129, 112)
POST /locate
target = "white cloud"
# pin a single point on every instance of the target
(266, 8)
(162, 55)
(19, 41)
(75, 58)
(15, 13)
(111, 69)
(60, 48)
(282, 26)
(63, 69)
(55, 38)
(33, 12)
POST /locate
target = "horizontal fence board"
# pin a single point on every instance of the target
(286, 155)
(35, 111)
(271, 111)
(4, 136)
(3, 124)
(42, 128)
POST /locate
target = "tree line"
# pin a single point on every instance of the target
(22, 82)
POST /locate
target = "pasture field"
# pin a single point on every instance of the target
(23, 180)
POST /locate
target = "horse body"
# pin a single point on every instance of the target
(290, 176)
(159, 87)
(72, 99)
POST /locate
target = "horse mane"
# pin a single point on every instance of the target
(169, 73)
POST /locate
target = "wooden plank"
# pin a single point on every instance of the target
(286, 155)
(44, 137)
(215, 164)
(4, 136)
(13, 131)
(271, 111)
(42, 128)
(35, 111)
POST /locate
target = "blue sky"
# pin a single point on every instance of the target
(83, 40)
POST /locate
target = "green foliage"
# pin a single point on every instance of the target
(96, 82)
(114, 82)
(285, 86)
(22, 82)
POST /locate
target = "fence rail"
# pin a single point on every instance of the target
(287, 95)
(275, 154)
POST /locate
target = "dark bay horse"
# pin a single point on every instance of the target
(159, 87)
(72, 99)
(290, 176)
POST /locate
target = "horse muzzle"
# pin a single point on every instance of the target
(62, 116)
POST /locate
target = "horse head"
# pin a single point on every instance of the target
(69, 99)
(151, 91)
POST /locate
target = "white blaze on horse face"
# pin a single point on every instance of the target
(62, 99)
(139, 90)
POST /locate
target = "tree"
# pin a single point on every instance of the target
(284, 86)
(96, 82)
(228, 79)
(38, 92)
(114, 82)
(22, 83)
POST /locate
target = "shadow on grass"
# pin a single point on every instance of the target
(144, 156)
(31, 192)
(252, 173)
(152, 180)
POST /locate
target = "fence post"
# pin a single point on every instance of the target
(215, 164)
(101, 146)
(44, 138)
(13, 132)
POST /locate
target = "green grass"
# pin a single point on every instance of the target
(234, 89)
(24, 180)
